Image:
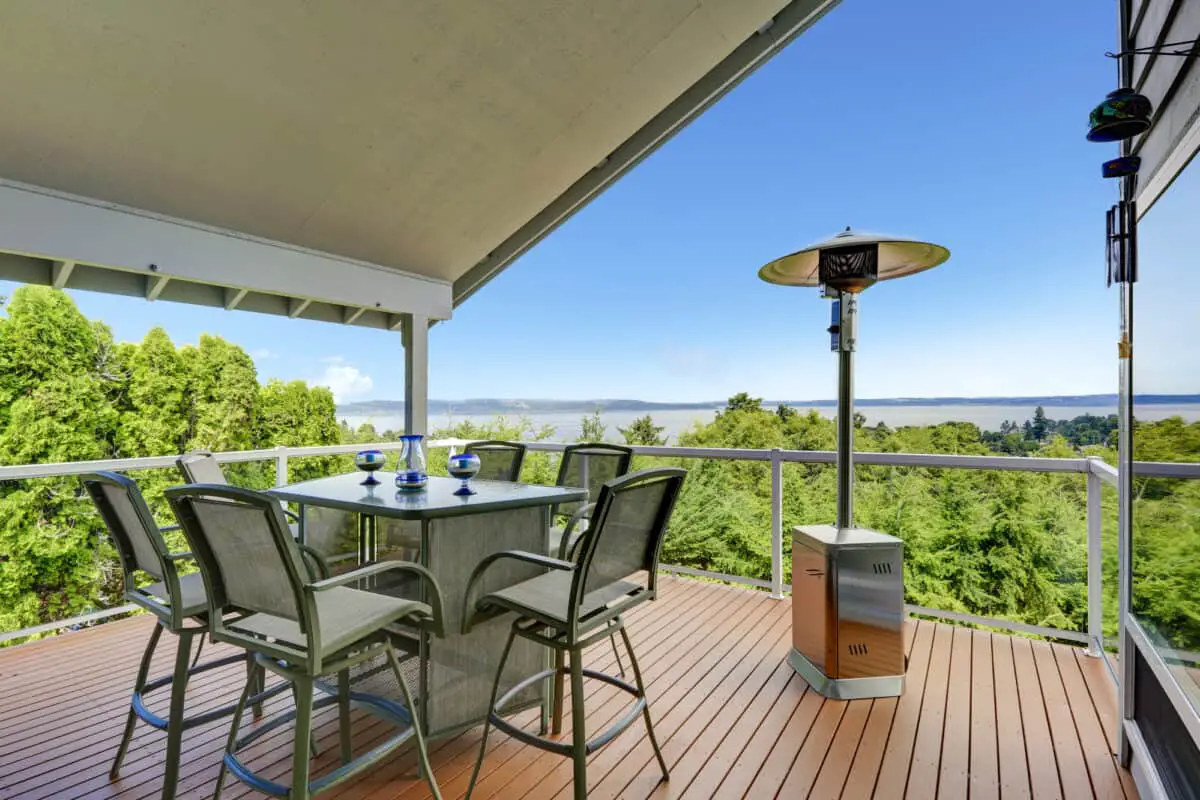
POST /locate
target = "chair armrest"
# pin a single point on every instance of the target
(179, 557)
(287, 512)
(581, 513)
(313, 559)
(516, 555)
(434, 595)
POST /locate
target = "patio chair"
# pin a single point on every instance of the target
(261, 599)
(181, 606)
(498, 461)
(588, 465)
(578, 603)
(201, 466)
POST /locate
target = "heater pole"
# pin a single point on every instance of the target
(848, 332)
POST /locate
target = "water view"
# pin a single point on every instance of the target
(988, 417)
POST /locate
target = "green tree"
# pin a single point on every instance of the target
(224, 392)
(643, 431)
(591, 429)
(1040, 426)
(293, 414)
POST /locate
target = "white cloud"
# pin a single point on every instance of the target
(346, 381)
(263, 353)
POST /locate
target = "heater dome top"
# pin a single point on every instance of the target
(897, 257)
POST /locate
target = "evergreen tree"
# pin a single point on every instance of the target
(591, 429)
(643, 431)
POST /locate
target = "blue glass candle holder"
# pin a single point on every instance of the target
(463, 466)
(369, 461)
(411, 475)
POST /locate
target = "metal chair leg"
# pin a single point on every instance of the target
(617, 653)
(179, 682)
(258, 680)
(559, 666)
(138, 686)
(344, 715)
(487, 722)
(578, 730)
(637, 679)
(301, 763)
(233, 731)
(422, 750)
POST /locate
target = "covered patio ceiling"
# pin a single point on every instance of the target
(346, 162)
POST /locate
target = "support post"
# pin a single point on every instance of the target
(1095, 564)
(281, 466)
(415, 334)
(848, 303)
(776, 524)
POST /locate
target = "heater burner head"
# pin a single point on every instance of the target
(851, 261)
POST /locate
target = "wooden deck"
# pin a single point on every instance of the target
(984, 716)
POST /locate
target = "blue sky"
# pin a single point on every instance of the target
(957, 122)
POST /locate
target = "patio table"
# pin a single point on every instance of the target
(450, 534)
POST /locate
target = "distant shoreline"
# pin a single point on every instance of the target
(496, 406)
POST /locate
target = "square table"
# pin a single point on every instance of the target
(455, 533)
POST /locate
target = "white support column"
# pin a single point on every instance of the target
(415, 334)
(776, 524)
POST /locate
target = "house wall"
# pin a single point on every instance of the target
(1172, 83)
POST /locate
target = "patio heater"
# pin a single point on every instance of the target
(848, 582)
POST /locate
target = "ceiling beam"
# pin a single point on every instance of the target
(233, 297)
(349, 314)
(771, 37)
(44, 223)
(395, 322)
(155, 284)
(60, 273)
(296, 306)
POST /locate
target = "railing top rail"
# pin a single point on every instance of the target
(1080, 464)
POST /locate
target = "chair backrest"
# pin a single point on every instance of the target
(590, 465)
(246, 553)
(498, 461)
(627, 530)
(130, 523)
(201, 466)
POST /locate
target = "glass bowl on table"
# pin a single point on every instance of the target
(463, 466)
(369, 461)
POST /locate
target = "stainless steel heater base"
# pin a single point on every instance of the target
(848, 611)
(845, 688)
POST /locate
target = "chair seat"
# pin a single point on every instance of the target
(195, 598)
(546, 596)
(345, 616)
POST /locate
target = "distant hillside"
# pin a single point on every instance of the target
(481, 406)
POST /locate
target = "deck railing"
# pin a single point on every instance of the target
(1097, 473)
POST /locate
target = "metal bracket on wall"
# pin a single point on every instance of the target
(1121, 242)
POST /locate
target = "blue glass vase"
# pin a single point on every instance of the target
(369, 461)
(411, 475)
(463, 466)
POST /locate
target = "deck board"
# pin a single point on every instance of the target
(982, 713)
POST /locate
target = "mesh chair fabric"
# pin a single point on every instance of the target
(253, 574)
(590, 467)
(132, 531)
(201, 468)
(498, 461)
(630, 536)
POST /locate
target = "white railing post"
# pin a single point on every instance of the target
(776, 524)
(1095, 560)
(281, 466)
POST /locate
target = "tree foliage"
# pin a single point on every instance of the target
(1002, 544)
